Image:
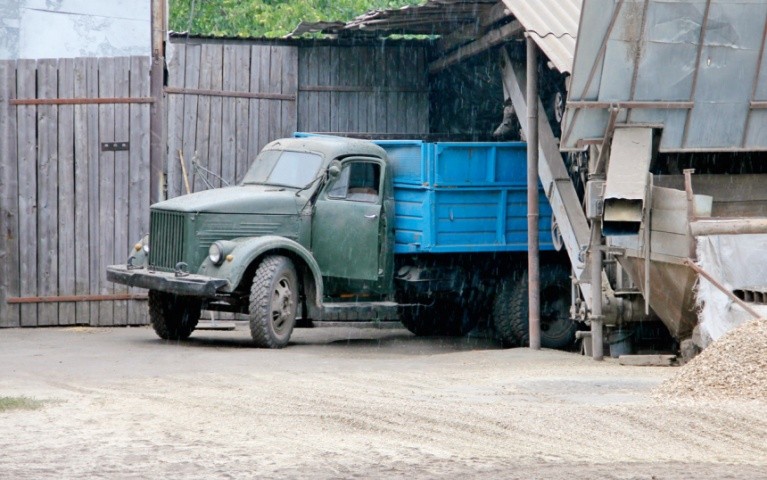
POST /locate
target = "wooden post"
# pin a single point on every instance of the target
(157, 115)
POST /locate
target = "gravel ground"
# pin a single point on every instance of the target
(353, 403)
(735, 366)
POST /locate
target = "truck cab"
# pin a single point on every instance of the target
(310, 223)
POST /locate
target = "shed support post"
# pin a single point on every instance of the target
(533, 260)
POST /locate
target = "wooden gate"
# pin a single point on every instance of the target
(74, 188)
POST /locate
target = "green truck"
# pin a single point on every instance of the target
(337, 229)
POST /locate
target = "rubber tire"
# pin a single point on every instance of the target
(173, 317)
(445, 318)
(273, 302)
(511, 310)
(502, 317)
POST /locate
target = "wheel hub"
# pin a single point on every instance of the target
(282, 303)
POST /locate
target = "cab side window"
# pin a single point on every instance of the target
(357, 182)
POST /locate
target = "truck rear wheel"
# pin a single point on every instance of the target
(445, 317)
(273, 302)
(511, 310)
(503, 318)
(173, 317)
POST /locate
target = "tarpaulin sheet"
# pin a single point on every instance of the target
(735, 261)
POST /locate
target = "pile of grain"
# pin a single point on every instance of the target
(735, 366)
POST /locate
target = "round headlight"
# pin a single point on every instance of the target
(216, 253)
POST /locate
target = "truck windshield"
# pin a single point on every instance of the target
(283, 168)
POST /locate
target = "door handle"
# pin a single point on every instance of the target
(371, 216)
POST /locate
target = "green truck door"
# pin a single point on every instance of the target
(347, 218)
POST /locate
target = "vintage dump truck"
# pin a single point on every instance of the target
(338, 229)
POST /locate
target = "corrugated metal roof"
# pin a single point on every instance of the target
(696, 68)
(554, 26)
(553, 23)
(435, 17)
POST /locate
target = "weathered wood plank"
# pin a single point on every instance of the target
(9, 198)
(203, 125)
(216, 112)
(409, 100)
(27, 161)
(228, 115)
(254, 125)
(352, 69)
(94, 184)
(138, 214)
(647, 360)
(188, 145)
(378, 114)
(323, 98)
(275, 79)
(364, 78)
(121, 182)
(106, 224)
(343, 105)
(264, 79)
(304, 59)
(47, 208)
(335, 100)
(176, 65)
(242, 107)
(81, 186)
(423, 100)
(289, 83)
(67, 200)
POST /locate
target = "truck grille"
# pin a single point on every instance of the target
(166, 239)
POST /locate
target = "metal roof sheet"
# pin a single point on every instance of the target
(435, 17)
(553, 25)
(697, 68)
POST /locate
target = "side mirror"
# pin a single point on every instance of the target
(334, 171)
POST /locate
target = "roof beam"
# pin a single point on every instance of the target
(488, 17)
(491, 39)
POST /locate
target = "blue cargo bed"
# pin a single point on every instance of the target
(454, 197)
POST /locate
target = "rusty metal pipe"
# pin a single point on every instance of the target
(533, 258)
(729, 226)
(721, 288)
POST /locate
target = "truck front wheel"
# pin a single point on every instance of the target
(173, 317)
(273, 302)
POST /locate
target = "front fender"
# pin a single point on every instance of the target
(247, 250)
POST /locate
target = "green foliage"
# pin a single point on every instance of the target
(264, 18)
(19, 403)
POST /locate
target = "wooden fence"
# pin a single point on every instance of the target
(74, 187)
(74, 150)
(364, 89)
(226, 100)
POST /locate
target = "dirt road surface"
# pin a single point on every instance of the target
(352, 403)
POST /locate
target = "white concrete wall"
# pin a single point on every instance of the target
(74, 28)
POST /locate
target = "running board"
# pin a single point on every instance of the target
(358, 312)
